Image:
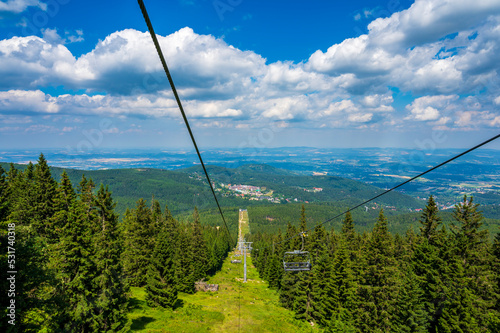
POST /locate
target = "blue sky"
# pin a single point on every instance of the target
(84, 75)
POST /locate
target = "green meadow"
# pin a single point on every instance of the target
(237, 307)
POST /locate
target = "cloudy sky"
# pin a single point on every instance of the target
(388, 73)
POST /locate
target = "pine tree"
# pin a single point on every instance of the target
(318, 242)
(274, 268)
(199, 249)
(111, 291)
(303, 219)
(139, 243)
(289, 280)
(65, 196)
(430, 221)
(348, 229)
(21, 185)
(469, 236)
(324, 295)
(302, 302)
(77, 269)
(43, 198)
(411, 315)
(346, 287)
(4, 196)
(185, 263)
(338, 325)
(156, 215)
(288, 289)
(473, 254)
(459, 314)
(161, 289)
(495, 266)
(429, 263)
(380, 285)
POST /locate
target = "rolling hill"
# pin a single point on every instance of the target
(185, 188)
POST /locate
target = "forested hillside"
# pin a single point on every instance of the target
(186, 188)
(334, 189)
(127, 185)
(71, 263)
(432, 279)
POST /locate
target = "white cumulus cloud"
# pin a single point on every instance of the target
(432, 50)
(18, 6)
(430, 107)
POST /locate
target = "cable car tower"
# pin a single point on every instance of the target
(298, 260)
(245, 246)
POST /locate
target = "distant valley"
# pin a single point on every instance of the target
(274, 195)
(475, 174)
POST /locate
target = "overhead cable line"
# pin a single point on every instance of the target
(395, 187)
(164, 63)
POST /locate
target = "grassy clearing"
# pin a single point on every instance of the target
(244, 225)
(236, 307)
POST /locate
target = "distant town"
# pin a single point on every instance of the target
(254, 193)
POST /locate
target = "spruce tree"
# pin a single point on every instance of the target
(22, 192)
(411, 314)
(338, 325)
(64, 198)
(185, 264)
(430, 265)
(302, 302)
(348, 229)
(346, 287)
(43, 198)
(324, 295)
(4, 196)
(380, 281)
(303, 219)
(459, 313)
(156, 215)
(318, 242)
(161, 287)
(77, 269)
(274, 270)
(199, 249)
(111, 291)
(473, 254)
(139, 243)
(430, 221)
(289, 280)
(470, 239)
(495, 266)
(494, 316)
(288, 289)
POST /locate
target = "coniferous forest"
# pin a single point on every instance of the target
(435, 279)
(76, 262)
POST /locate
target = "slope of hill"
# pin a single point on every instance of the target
(185, 188)
(290, 184)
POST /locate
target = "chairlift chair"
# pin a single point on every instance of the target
(298, 260)
(235, 259)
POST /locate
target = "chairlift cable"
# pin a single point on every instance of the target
(397, 186)
(170, 80)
